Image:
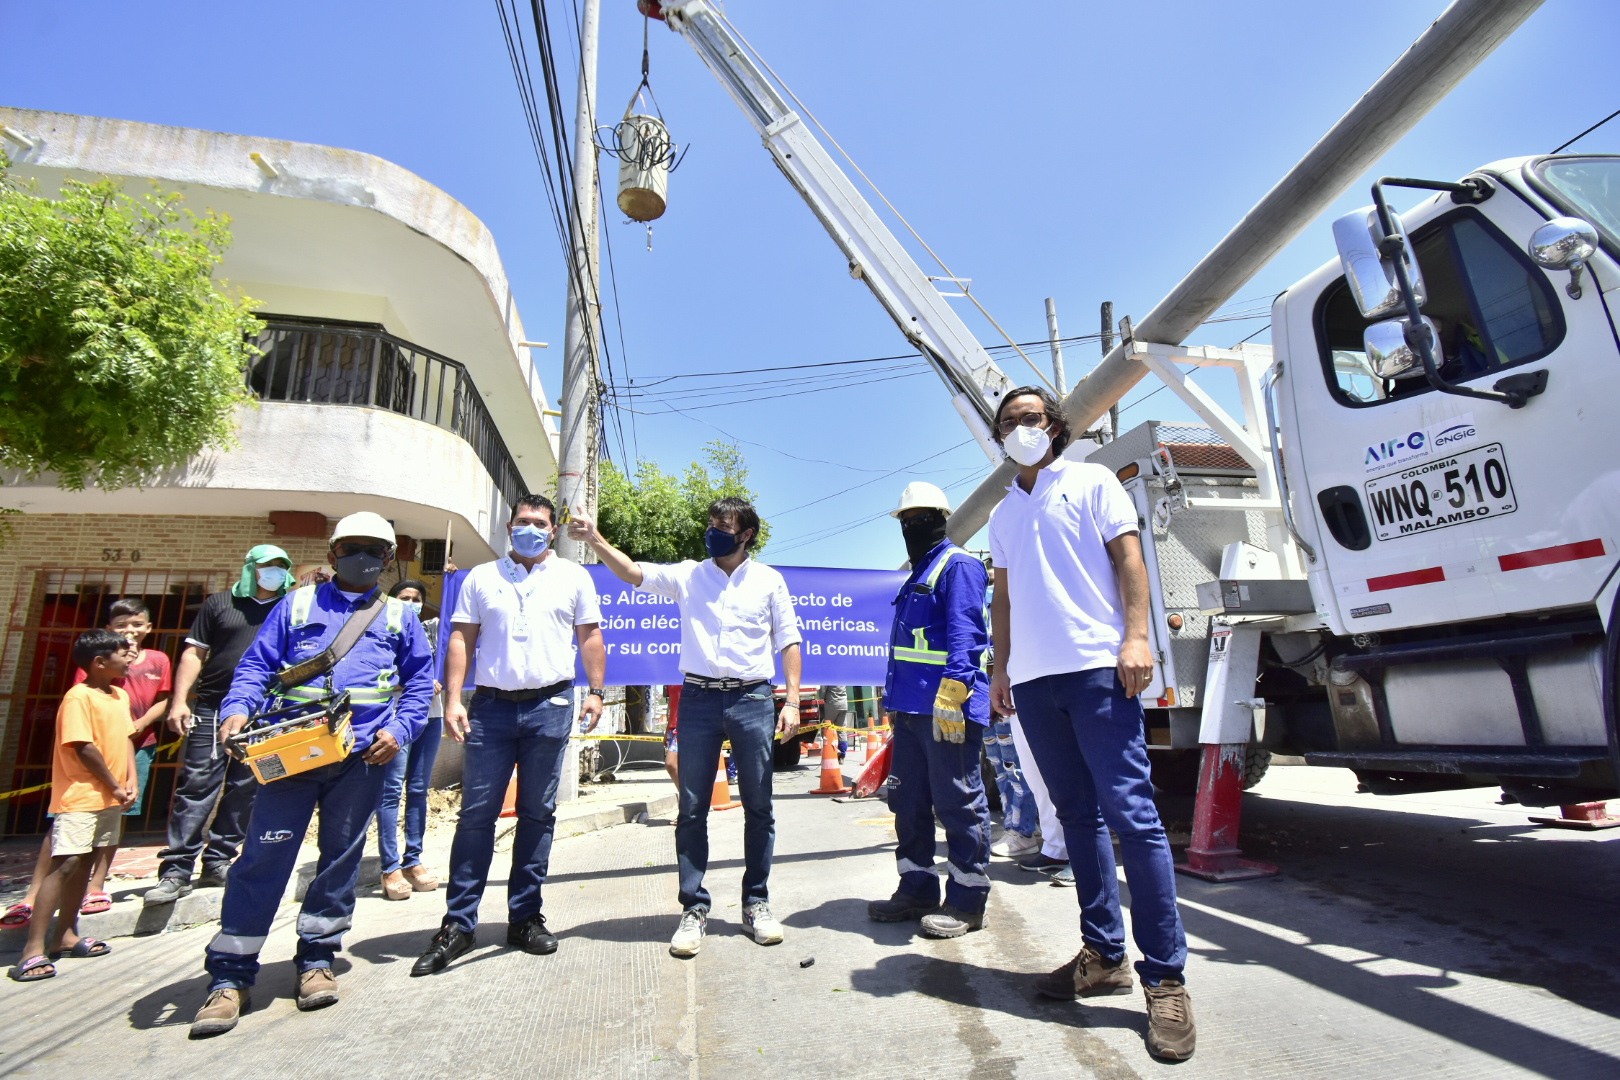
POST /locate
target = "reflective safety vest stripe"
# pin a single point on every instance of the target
(921, 653)
(303, 605)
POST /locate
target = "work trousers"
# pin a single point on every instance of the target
(407, 780)
(929, 777)
(211, 783)
(346, 794)
(1018, 811)
(532, 737)
(747, 718)
(1088, 740)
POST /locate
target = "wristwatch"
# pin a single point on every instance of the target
(598, 691)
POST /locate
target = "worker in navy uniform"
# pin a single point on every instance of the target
(939, 698)
(388, 674)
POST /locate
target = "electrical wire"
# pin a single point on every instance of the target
(1587, 132)
(864, 483)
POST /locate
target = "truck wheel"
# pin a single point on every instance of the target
(786, 755)
(1175, 772)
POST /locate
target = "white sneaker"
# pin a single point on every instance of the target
(688, 937)
(762, 924)
(1012, 845)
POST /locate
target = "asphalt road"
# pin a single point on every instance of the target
(1435, 936)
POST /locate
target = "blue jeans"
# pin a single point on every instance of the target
(346, 793)
(747, 717)
(531, 736)
(1089, 744)
(1019, 813)
(209, 777)
(931, 776)
(407, 777)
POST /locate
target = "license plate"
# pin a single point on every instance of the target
(1452, 490)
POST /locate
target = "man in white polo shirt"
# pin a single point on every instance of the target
(736, 615)
(1069, 619)
(517, 621)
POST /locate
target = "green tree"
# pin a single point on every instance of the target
(118, 355)
(662, 518)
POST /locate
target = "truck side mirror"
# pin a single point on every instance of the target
(1371, 276)
(1565, 243)
(1390, 352)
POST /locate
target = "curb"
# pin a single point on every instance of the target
(128, 917)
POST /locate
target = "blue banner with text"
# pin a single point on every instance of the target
(845, 616)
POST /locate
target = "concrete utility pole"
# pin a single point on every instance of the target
(581, 408)
(1465, 33)
(1060, 380)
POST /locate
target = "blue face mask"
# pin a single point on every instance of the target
(273, 577)
(719, 543)
(530, 541)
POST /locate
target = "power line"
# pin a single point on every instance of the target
(1587, 132)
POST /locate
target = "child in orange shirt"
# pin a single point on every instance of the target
(92, 784)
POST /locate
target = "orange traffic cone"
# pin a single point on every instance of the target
(832, 776)
(721, 799)
(873, 741)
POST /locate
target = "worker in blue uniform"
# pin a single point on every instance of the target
(936, 690)
(388, 674)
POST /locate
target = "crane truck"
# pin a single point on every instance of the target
(1400, 555)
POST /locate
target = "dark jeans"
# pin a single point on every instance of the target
(407, 778)
(708, 718)
(347, 796)
(931, 776)
(1089, 745)
(211, 783)
(531, 736)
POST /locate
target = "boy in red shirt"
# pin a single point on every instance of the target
(92, 784)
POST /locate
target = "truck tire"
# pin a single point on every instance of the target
(1175, 772)
(786, 754)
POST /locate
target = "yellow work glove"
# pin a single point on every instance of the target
(949, 725)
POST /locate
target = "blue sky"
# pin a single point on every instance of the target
(1081, 151)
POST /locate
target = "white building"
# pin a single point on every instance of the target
(394, 379)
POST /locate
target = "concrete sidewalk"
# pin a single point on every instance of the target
(638, 793)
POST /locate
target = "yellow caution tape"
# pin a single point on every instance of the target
(4, 795)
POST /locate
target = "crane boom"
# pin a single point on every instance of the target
(876, 256)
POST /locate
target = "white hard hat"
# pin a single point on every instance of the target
(921, 495)
(364, 523)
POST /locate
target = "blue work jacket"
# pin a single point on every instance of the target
(939, 634)
(388, 672)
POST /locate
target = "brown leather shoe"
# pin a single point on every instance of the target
(395, 887)
(1171, 1034)
(1087, 975)
(421, 878)
(317, 988)
(220, 1012)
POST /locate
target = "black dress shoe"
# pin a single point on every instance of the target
(450, 942)
(531, 936)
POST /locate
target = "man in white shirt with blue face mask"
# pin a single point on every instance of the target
(517, 621)
(736, 615)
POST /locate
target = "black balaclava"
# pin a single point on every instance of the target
(922, 532)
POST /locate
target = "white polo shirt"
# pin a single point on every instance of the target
(732, 625)
(1066, 610)
(526, 620)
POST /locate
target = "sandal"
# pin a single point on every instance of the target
(95, 903)
(83, 949)
(17, 915)
(34, 969)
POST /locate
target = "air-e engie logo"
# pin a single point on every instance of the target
(1413, 444)
(1460, 431)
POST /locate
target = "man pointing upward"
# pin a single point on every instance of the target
(735, 614)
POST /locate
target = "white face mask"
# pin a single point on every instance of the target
(273, 577)
(1027, 445)
(414, 605)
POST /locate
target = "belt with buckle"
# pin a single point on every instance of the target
(703, 683)
(527, 695)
